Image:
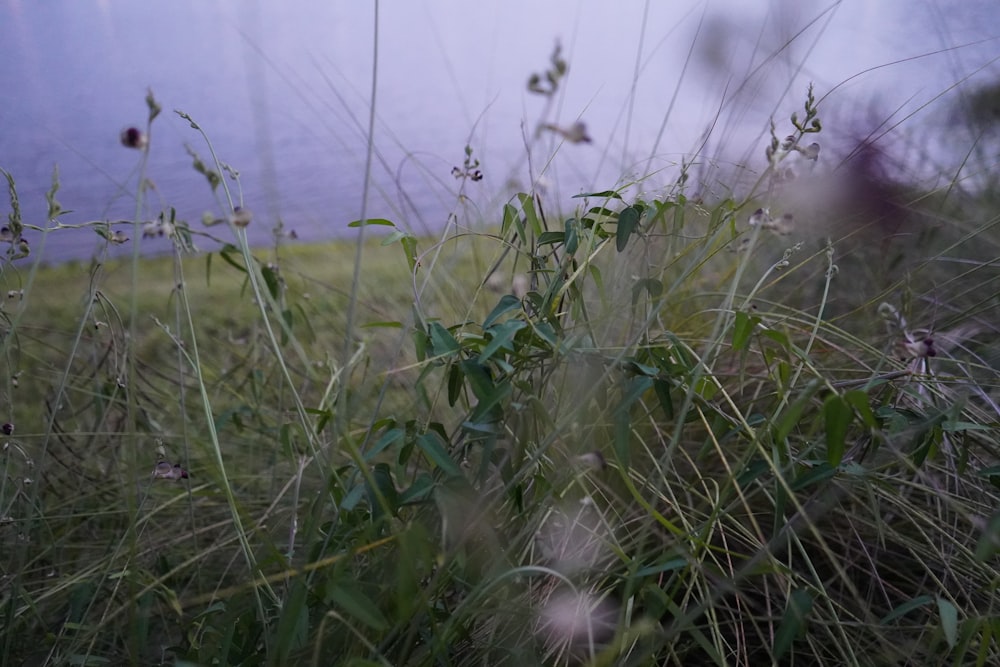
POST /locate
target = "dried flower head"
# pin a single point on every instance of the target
(166, 470)
(574, 134)
(810, 152)
(133, 137)
(920, 348)
(760, 217)
(593, 460)
(241, 217)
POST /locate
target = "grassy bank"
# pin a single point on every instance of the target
(649, 430)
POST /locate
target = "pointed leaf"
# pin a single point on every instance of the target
(548, 238)
(662, 388)
(792, 621)
(623, 436)
(790, 417)
(455, 381)
(949, 621)
(837, 416)
(743, 327)
(859, 400)
(382, 496)
(389, 437)
(607, 194)
(572, 236)
(430, 443)
(906, 608)
(502, 334)
(628, 221)
(507, 303)
(380, 222)
(442, 341)
(356, 605)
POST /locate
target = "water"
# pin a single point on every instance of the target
(283, 91)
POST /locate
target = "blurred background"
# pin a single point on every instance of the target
(283, 90)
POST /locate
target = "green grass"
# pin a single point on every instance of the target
(687, 440)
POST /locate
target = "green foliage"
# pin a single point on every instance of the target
(677, 440)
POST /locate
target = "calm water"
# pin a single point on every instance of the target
(283, 91)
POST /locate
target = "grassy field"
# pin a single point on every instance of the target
(647, 431)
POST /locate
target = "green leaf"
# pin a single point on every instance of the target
(949, 621)
(548, 238)
(662, 388)
(572, 236)
(509, 218)
(488, 402)
(790, 417)
(455, 382)
(293, 624)
(858, 400)
(607, 194)
(753, 471)
(668, 566)
(778, 337)
(382, 325)
(958, 426)
(837, 417)
(430, 443)
(637, 386)
(634, 389)
(793, 621)
(409, 244)
(743, 327)
(389, 437)
(393, 237)
(479, 378)
(906, 608)
(380, 222)
(421, 488)
(271, 280)
(442, 341)
(356, 605)
(228, 252)
(814, 475)
(530, 216)
(384, 489)
(507, 303)
(502, 334)
(628, 221)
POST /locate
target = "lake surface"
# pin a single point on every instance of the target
(283, 91)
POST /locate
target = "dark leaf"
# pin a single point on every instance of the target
(628, 222)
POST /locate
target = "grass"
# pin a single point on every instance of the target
(648, 431)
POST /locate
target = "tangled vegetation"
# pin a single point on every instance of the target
(656, 430)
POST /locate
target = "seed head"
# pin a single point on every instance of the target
(133, 137)
(241, 217)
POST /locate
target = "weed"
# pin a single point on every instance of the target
(658, 429)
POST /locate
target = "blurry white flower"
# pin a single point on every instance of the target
(760, 217)
(166, 470)
(574, 134)
(578, 619)
(241, 217)
(810, 152)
